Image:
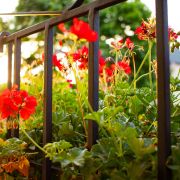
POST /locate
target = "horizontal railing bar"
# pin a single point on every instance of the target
(66, 16)
(33, 13)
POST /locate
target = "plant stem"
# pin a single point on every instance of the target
(150, 75)
(143, 76)
(80, 102)
(140, 67)
(115, 72)
(26, 134)
(134, 66)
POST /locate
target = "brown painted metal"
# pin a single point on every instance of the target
(93, 77)
(76, 4)
(164, 143)
(17, 69)
(47, 126)
(9, 83)
(2, 35)
(17, 61)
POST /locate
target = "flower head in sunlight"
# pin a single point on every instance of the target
(62, 27)
(56, 62)
(117, 45)
(129, 44)
(172, 35)
(83, 30)
(124, 65)
(14, 102)
(147, 30)
(81, 56)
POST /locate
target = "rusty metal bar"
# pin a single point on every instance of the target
(9, 83)
(93, 77)
(164, 143)
(47, 126)
(17, 61)
(2, 36)
(17, 69)
(66, 16)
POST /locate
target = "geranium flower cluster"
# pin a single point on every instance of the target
(120, 44)
(81, 29)
(16, 102)
(81, 56)
(109, 67)
(56, 62)
(147, 31)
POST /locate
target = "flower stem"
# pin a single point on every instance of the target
(26, 134)
(140, 67)
(150, 75)
(134, 66)
(80, 102)
(143, 76)
(115, 72)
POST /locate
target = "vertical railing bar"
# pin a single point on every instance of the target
(164, 143)
(9, 83)
(93, 77)
(17, 69)
(47, 127)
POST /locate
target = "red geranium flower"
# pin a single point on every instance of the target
(124, 66)
(56, 62)
(62, 27)
(82, 57)
(129, 44)
(110, 69)
(14, 102)
(147, 30)
(117, 44)
(172, 35)
(83, 30)
(102, 64)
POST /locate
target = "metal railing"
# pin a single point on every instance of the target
(92, 10)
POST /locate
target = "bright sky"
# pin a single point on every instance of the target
(9, 6)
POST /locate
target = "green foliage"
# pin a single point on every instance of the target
(61, 152)
(12, 147)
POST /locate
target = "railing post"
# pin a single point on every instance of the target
(47, 126)
(93, 77)
(17, 69)
(164, 143)
(9, 83)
